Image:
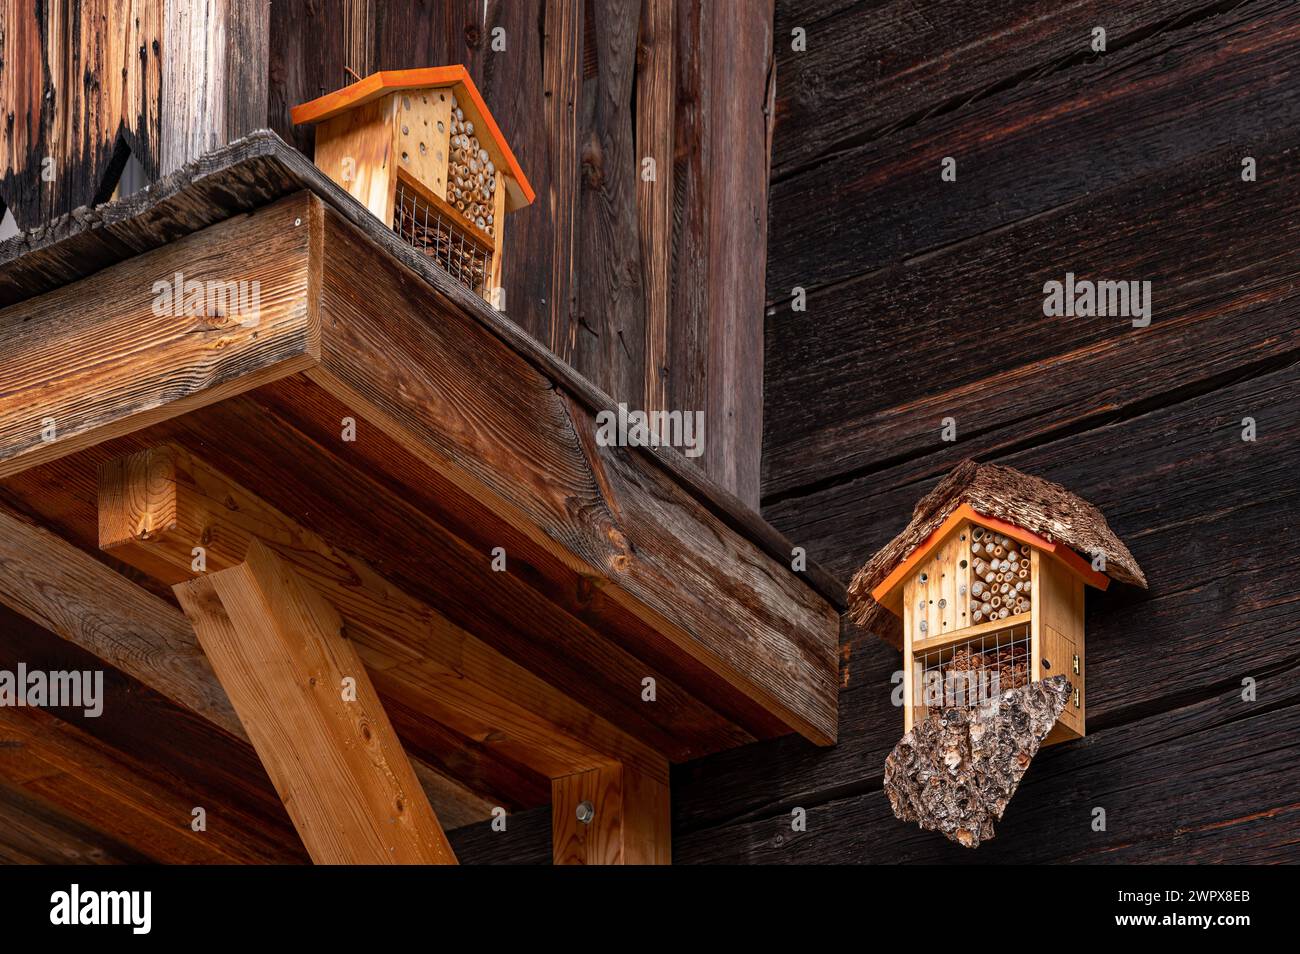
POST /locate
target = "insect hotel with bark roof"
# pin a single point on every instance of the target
(420, 149)
(984, 591)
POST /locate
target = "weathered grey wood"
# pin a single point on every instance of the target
(214, 75)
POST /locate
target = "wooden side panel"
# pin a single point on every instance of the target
(422, 136)
(627, 819)
(356, 151)
(125, 351)
(1062, 633)
(311, 712)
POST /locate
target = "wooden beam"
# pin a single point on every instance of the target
(157, 505)
(478, 416)
(610, 816)
(312, 714)
(118, 350)
(77, 598)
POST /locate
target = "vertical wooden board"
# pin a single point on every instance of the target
(910, 683)
(355, 149)
(214, 89)
(279, 650)
(609, 343)
(629, 822)
(496, 290)
(655, 122)
(532, 89)
(54, 113)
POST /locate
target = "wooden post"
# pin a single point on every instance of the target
(312, 714)
(612, 815)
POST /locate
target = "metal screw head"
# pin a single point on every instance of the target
(586, 812)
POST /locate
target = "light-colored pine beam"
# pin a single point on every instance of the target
(613, 815)
(312, 714)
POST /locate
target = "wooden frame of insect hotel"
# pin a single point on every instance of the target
(420, 149)
(988, 583)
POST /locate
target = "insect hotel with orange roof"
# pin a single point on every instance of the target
(420, 149)
(984, 591)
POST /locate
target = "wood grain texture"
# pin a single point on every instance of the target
(34, 832)
(911, 61)
(1219, 253)
(628, 825)
(80, 86)
(107, 789)
(172, 502)
(281, 652)
(93, 337)
(521, 455)
(1031, 149)
(215, 64)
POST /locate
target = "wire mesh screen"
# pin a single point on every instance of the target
(437, 234)
(976, 671)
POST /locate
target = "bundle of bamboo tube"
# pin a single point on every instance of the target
(1000, 582)
(471, 175)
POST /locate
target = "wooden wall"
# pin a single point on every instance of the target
(648, 281)
(925, 301)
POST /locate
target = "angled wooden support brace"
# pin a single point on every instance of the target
(313, 716)
(612, 815)
(170, 514)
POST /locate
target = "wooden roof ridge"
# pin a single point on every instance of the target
(261, 168)
(1063, 524)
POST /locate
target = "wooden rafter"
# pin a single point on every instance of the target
(302, 692)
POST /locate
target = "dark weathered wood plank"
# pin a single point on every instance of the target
(480, 417)
(1227, 79)
(1183, 771)
(870, 68)
(961, 333)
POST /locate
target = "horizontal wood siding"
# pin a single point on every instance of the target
(925, 301)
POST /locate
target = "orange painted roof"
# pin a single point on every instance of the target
(884, 592)
(435, 77)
